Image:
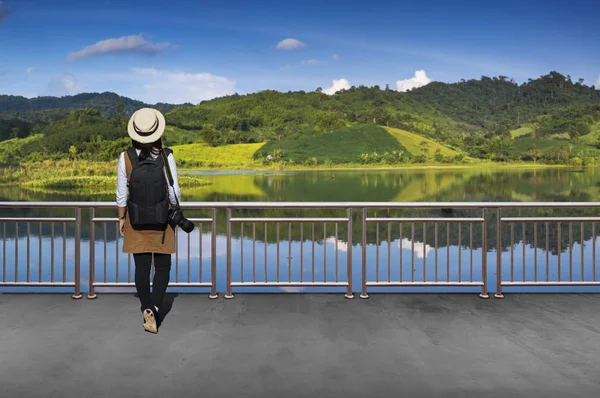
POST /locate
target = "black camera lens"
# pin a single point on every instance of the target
(186, 225)
(176, 218)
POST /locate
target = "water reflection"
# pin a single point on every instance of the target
(248, 260)
(393, 186)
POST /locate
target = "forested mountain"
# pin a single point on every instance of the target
(474, 117)
(106, 103)
(498, 104)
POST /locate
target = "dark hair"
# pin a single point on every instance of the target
(147, 149)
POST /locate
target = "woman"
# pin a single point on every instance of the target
(146, 127)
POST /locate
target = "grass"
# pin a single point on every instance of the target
(520, 132)
(412, 142)
(341, 146)
(176, 136)
(203, 155)
(66, 174)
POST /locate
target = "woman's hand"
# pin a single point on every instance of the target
(122, 227)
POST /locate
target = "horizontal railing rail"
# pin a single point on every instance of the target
(326, 240)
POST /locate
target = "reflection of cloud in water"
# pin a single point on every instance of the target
(182, 239)
(341, 245)
(406, 245)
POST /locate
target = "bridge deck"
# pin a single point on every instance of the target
(292, 345)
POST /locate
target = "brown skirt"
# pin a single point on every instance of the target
(147, 241)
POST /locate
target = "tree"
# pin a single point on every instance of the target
(73, 151)
(557, 155)
(211, 135)
(119, 113)
(534, 153)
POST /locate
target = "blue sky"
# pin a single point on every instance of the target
(180, 51)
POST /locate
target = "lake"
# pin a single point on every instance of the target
(300, 258)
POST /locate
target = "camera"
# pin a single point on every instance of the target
(176, 217)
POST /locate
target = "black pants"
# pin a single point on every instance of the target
(162, 269)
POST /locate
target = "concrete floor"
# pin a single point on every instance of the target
(292, 345)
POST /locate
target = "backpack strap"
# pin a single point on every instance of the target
(133, 156)
(165, 159)
(128, 165)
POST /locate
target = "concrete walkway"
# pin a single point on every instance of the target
(290, 345)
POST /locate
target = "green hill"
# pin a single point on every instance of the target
(415, 143)
(105, 102)
(482, 118)
(345, 145)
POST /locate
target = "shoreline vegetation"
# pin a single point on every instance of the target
(74, 175)
(102, 176)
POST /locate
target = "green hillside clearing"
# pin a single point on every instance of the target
(341, 146)
(203, 155)
(525, 130)
(176, 136)
(412, 142)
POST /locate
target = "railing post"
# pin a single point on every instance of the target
(213, 256)
(364, 294)
(499, 255)
(229, 293)
(484, 293)
(77, 294)
(349, 294)
(91, 293)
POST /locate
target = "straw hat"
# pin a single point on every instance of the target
(146, 125)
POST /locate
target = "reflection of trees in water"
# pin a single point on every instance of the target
(552, 185)
(333, 186)
(319, 235)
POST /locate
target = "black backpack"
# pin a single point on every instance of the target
(148, 202)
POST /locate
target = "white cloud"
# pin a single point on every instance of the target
(290, 44)
(135, 43)
(284, 67)
(66, 84)
(335, 57)
(179, 87)
(29, 70)
(341, 84)
(420, 79)
(309, 62)
(597, 85)
(4, 11)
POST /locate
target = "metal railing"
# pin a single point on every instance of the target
(424, 274)
(189, 283)
(424, 282)
(290, 283)
(549, 234)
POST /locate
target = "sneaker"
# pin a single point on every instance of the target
(150, 321)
